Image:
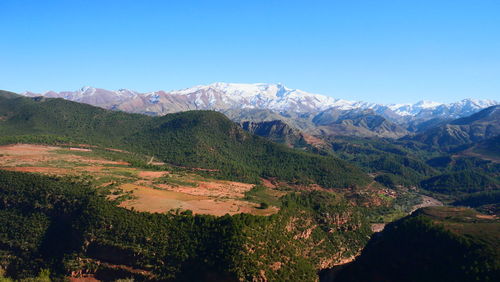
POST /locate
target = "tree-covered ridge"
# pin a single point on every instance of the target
(42, 116)
(67, 227)
(210, 140)
(397, 163)
(487, 202)
(465, 181)
(433, 244)
(203, 139)
(446, 175)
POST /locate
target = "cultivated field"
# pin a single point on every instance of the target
(137, 188)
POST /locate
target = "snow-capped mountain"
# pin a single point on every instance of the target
(90, 95)
(433, 109)
(275, 97)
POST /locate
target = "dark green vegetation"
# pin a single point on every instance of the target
(434, 244)
(487, 202)
(209, 140)
(198, 139)
(489, 148)
(447, 159)
(464, 181)
(260, 194)
(396, 163)
(65, 227)
(405, 163)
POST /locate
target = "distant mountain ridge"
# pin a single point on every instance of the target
(276, 97)
(474, 128)
(313, 114)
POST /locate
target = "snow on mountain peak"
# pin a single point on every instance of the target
(87, 89)
(270, 96)
(427, 104)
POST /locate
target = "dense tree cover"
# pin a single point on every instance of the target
(465, 181)
(426, 247)
(410, 163)
(312, 231)
(64, 226)
(210, 140)
(473, 163)
(195, 139)
(41, 116)
(461, 175)
(402, 165)
(388, 180)
(489, 147)
(479, 199)
(487, 202)
(450, 163)
(35, 139)
(204, 139)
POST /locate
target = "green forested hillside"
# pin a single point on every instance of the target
(433, 244)
(40, 116)
(66, 227)
(489, 148)
(210, 140)
(408, 163)
(195, 139)
(487, 202)
(466, 181)
(396, 163)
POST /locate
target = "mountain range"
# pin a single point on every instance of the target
(282, 103)
(344, 185)
(474, 128)
(206, 139)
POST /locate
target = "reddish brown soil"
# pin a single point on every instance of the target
(268, 183)
(152, 174)
(214, 188)
(214, 197)
(80, 149)
(148, 199)
(26, 149)
(484, 216)
(44, 170)
(377, 227)
(314, 141)
(25, 154)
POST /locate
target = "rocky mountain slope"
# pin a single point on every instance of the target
(477, 127)
(278, 100)
(362, 123)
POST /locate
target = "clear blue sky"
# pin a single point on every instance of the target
(373, 50)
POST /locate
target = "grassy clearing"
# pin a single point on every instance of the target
(261, 194)
(465, 221)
